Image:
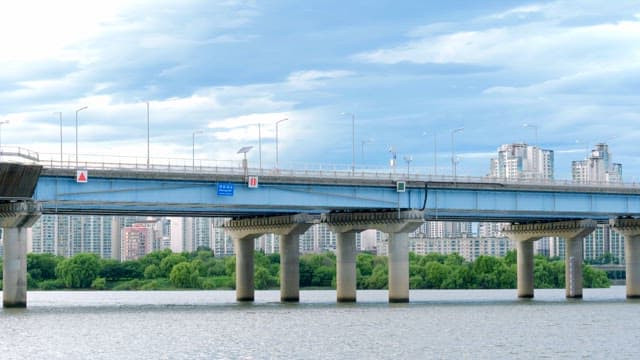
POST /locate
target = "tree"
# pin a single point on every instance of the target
(167, 264)
(379, 278)
(594, 278)
(263, 279)
(323, 276)
(152, 272)
(114, 270)
(42, 266)
(185, 275)
(78, 271)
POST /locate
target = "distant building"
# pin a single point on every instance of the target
(598, 167)
(137, 241)
(521, 161)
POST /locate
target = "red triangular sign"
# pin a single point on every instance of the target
(81, 176)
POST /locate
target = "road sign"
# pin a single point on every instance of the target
(225, 189)
(401, 186)
(82, 176)
(252, 182)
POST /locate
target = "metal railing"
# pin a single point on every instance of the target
(300, 170)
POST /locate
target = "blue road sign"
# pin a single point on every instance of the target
(225, 189)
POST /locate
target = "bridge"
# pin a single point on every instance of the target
(287, 202)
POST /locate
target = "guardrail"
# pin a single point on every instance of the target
(18, 153)
(322, 171)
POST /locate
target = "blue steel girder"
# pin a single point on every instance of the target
(188, 197)
(197, 196)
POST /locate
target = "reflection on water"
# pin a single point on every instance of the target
(210, 325)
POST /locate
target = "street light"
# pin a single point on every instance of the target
(77, 111)
(368, 141)
(435, 153)
(193, 148)
(408, 159)
(535, 128)
(260, 145)
(2, 123)
(453, 150)
(278, 122)
(353, 140)
(60, 114)
(148, 152)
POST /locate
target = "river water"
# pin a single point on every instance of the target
(456, 324)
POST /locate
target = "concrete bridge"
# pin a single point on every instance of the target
(288, 202)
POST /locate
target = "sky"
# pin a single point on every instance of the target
(353, 79)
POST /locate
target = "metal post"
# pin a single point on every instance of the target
(2, 123)
(353, 143)
(435, 155)
(77, 111)
(453, 151)
(61, 159)
(193, 149)
(260, 144)
(148, 152)
(278, 122)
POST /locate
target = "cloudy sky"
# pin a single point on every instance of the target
(407, 72)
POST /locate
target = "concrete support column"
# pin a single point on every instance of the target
(525, 268)
(573, 267)
(399, 267)
(632, 265)
(346, 266)
(244, 268)
(290, 267)
(14, 273)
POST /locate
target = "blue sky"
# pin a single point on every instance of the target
(406, 69)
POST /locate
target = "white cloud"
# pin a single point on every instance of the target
(310, 79)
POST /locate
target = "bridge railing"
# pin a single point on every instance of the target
(16, 153)
(317, 170)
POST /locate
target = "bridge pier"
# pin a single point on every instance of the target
(243, 246)
(346, 282)
(525, 268)
(398, 224)
(573, 260)
(630, 229)
(572, 231)
(290, 267)
(289, 227)
(15, 218)
(398, 267)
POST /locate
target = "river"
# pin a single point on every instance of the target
(456, 324)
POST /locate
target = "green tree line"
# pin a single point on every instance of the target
(202, 270)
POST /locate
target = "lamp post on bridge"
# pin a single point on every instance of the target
(148, 152)
(435, 152)
(2, 123)
(278, 122)
(193, 148)
(408, 159)
(60, 115)
(453, 150)
(535, 128)
(353, 140)
(77, 111)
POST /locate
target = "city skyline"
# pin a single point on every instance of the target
(350, 86)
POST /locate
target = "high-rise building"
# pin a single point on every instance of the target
(521, 161)
(598, 167)
(137, 241)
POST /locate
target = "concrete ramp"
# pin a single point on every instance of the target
(18, 181)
